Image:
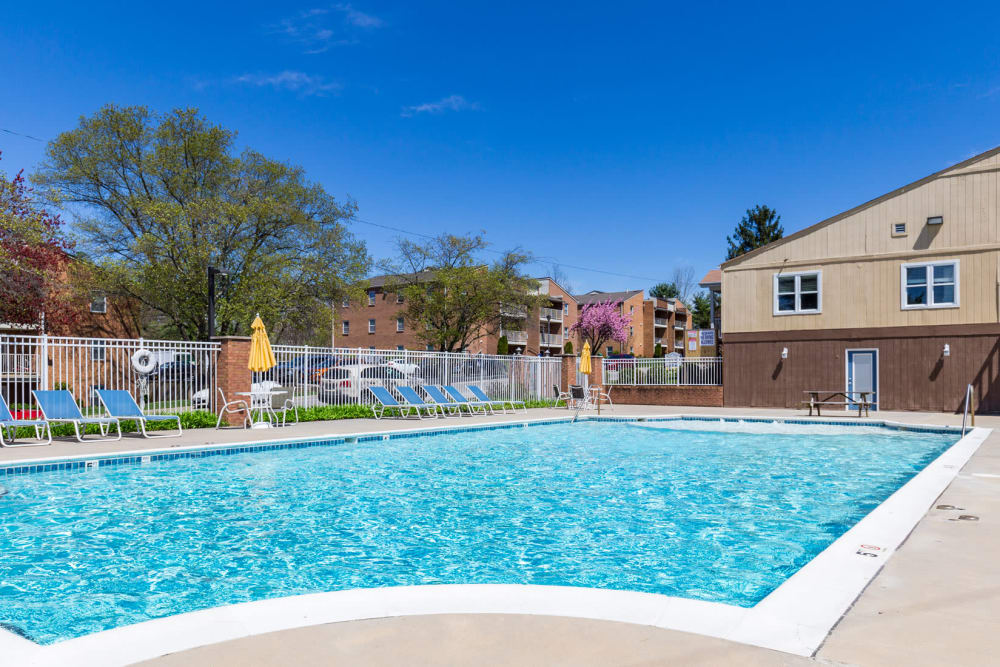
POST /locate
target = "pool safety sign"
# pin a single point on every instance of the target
(692, 340)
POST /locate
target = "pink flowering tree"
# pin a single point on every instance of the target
(600, 323)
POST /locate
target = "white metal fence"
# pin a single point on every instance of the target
(664, 371)
(341, 376)
(182, 375)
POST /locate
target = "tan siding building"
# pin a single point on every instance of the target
(870, 298)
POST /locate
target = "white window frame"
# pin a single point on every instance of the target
(371, 326)
(399, 325)
(399, 297)
(101, 299)
(345, 302)
(98, 351)
(930, 305)
(371, 297)
(345, 328)
(798, 292)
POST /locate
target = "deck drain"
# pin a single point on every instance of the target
(948, 507)
(966, 517)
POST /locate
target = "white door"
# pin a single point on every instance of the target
(862, 373)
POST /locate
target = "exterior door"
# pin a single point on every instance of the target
(862, 373)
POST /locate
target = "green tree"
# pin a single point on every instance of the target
(701, 312)
(657, 351)
(160, 197)
(502, 346)
(456, 298)
(568, 347)
(664, 291)
(761, 225)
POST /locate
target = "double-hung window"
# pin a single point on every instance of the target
(929, 285)
(345, 328)
(399, 324)
(371, 297)
(371, 326)
(798, 293)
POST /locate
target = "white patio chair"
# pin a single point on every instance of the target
(232, 407)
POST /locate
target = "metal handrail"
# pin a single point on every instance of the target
(969, 402)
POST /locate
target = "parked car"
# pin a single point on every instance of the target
(301, 369)
(349, 383)
(176, 371)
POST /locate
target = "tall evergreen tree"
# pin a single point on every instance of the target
(761, 225)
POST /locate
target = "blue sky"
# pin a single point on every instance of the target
(643, 129)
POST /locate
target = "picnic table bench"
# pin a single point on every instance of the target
(834, 398)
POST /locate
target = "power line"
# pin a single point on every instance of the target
(18, 134)
(538, 259)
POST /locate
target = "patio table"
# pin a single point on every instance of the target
(257, 403)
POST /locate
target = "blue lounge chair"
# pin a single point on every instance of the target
(385, 401)
(9, 426)
(445, 404)
(57, 405)
(413, 399)
(120, 405)
(459, 397)
(481, 395)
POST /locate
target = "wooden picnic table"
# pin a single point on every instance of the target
(832, 397)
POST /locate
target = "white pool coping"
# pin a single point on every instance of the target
(795, 618)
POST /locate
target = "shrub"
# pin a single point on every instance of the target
(502, 347)
(568, 347)
(658, 351)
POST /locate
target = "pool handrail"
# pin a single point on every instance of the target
(120, 404)
(58, 405)
(7, 421)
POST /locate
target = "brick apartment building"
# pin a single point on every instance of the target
(377, 322)
(654, 321)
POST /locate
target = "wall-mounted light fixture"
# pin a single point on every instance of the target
(935, 220)
(946, 352)
(784, 353)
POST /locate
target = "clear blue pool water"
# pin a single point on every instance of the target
(705, 514)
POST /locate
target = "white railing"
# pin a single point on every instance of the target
(341, 376)
(553, 340)
(513, 336)
(660, 321)
(183, 376)
(553, 313)
(658, 341)
(662, 372)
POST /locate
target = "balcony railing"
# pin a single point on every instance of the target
(660, 321)
(514, 336)
(658, 341)
(679, 326)
(553, 313)
(552, 340)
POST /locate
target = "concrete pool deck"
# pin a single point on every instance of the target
(934, 601)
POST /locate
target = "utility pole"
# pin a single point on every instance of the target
(212, 273)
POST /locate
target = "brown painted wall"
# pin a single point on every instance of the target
(912, 372)
(707, 396)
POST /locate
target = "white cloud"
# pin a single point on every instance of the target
(450, 103)
(297, 82)
(322, 28)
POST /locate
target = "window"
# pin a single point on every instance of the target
(99, 303)
(630, 331)
(399, 298)
(797, 293)
(399, 324)
(400, 348)
(371, 326)
(98, 351)
(929, 285)
(371, 297)
(430, 348)
(345, 303)
(610, 351)
(899, 229)
(345, 327)
(565, 309)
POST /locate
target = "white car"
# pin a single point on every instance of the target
(349, 383)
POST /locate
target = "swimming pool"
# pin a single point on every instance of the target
(696, 509)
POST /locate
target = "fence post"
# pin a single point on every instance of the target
(43, 361)
(233, 373)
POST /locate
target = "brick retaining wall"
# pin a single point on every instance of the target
(699, 396)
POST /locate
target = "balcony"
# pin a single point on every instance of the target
(660, 321)
(553, 313)
(679, 326)
(513, 313)
(515, 337)
(550, 340)
(658, 341)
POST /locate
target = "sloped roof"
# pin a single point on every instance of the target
(600, 297)
(380, 281)
(868, 204)
(713, 277)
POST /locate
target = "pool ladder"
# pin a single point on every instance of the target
(970, 407)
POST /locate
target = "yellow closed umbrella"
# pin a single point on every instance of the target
(585, 366)
(261, 355)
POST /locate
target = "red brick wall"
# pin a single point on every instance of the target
(233, 374)
(705, 397)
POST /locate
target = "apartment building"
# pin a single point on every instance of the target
(897, 296)
(654, 322)
(545, 331)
